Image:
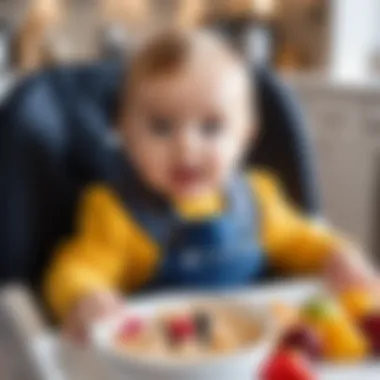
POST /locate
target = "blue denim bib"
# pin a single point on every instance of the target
(211, 253)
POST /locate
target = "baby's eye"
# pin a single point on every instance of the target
(161, 126)
(212, 127)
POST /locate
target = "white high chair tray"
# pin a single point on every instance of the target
(295, 292)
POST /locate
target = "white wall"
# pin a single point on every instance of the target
(355, 28)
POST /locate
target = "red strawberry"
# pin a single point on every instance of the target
(131, 328)
(181, 328)
(371, 327)
(287, 365)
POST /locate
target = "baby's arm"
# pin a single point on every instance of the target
(88, 270)
(298, 244)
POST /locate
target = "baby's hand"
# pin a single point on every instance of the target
(89, 310)
(349, 269)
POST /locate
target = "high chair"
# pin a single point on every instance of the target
(56, 137)
(29, 349)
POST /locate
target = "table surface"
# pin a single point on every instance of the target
(45, 347)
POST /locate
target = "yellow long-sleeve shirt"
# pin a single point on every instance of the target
(111, 251)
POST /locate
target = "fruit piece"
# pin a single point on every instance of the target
(132, 327)
(320, 309)
(370, 326)
(287, 365)
(357, 303)
(203, 325)
(180, 328)
(341, 339)
(304, 339)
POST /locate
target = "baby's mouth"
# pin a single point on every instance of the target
(185, 176)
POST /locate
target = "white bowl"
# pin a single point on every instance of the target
(241, 364)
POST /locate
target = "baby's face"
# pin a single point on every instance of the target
(186, 132)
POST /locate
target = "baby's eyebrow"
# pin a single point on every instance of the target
(160, 108)
(146, 105)
(156, 109)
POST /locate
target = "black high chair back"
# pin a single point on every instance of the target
(55, 138)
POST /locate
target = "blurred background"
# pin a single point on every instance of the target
(328, 51)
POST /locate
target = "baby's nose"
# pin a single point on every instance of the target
(188, 142)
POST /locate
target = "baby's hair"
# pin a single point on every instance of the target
(163, 54)
(169, 51)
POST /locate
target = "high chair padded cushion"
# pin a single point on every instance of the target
(56, 137)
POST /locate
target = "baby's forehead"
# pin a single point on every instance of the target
(207, 88)
(217, 87)
(197, 65)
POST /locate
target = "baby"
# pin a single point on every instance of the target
(187, 215)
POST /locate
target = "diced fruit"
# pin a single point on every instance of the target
(203, 325)
(287, 365)
(132, 327)
(341, 339)
(304, 339)
(319, 309)
(370, 325)
(357, 303)
(181, 328)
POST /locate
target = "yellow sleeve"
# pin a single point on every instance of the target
(100, 256)
(294, 242)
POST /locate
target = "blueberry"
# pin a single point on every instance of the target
(203, 326)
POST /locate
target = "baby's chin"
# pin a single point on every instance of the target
(190, 191)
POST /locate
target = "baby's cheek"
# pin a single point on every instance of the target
(218, 168)
(225, 157)
(155, 165)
